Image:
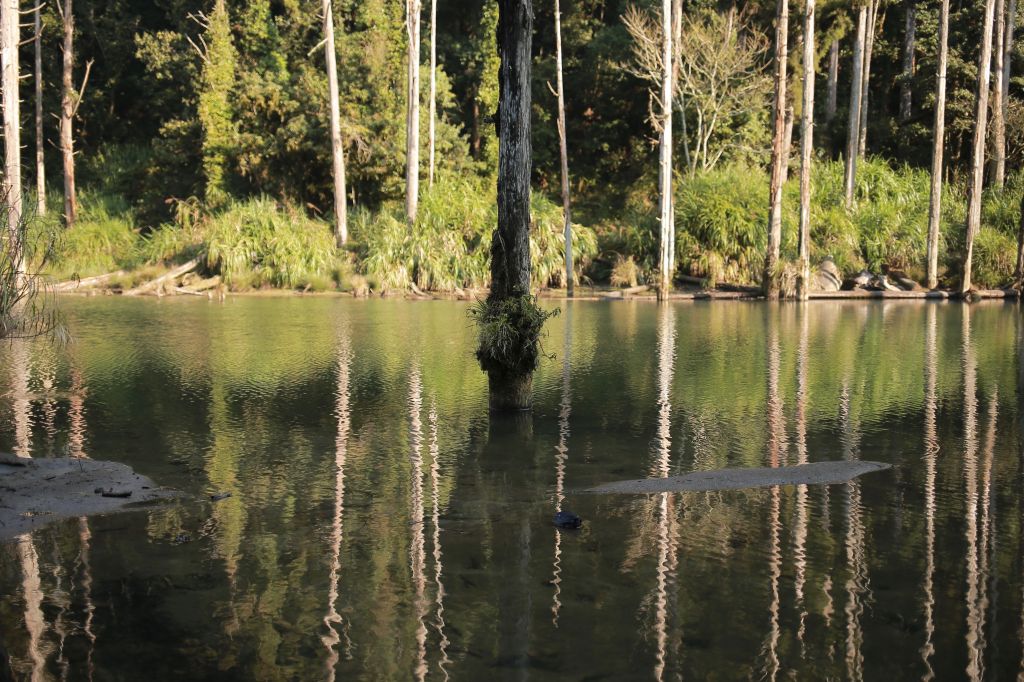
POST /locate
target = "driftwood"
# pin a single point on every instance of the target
(87, 282)
(174, 274)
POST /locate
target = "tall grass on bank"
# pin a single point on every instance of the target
(449, 245)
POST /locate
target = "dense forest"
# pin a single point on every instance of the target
(201, 129)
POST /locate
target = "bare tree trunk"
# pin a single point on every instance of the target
(938, 141)
(978, 146)
(853, 127)
(510, 247)
(337, 150)
(869, 48)
(833, 82)
(771, 261)
(412, 115)
(68, 105)
(40, 166)
(666, 151)
(563, 151)
(1011, 21)
(998, 164)
(806, 149)
(10, 33)
(787, 141)
(909, 36)
(1019, 273)
(433, 87)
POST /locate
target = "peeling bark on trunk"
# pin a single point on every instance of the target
(665, 159)
(68, 105)
(978, 145)
(909, 37)
(40, 154)
(833, 82)
(787, 141)
(337, 151)
(938, 141)
(412, 115)
(563, 151)
(998, 164)
(771, 261)
(1011, 21)
(510, 246)
(806, 150)
(433, 90)
(9, 39)
(853, 126)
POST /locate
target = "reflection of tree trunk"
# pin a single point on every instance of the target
(661, 468)
(938, 144)
(974, 188)
(561, 458)
(931, 453)
(435, 489)
(417, 552)
(76, 416)
(975, 664)
(802, 506)
(85, 538)
(857, 583)
(31, 587)
(333, 620)
(21, 402)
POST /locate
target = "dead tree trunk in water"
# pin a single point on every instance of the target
(998, 122)
(564, 152)
(770, 279)
(806, 149)
(909, 36)
(938, 141)
(9, 39)
(978, 145)
(853, 126)
(40, 157)
(665, 158)
(412, 112)
(510, 247)
(833, 82)
(337, 151)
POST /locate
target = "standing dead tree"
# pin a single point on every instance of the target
(938, 143)
(853, 124)
(771, 261)
(806, 151)
(37, 39)
(564, 154)
(70, 101)
(337, 150)
(412, 114)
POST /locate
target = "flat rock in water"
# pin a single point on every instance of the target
(38, 491)
(816, 473)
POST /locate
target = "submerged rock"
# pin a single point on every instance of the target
(34, 492)
(816, 473)
(566, 519)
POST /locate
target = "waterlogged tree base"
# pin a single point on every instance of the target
(34, 492)
(510, 393)
(817, 473)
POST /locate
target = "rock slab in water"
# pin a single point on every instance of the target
(34, 492)
(816, 473)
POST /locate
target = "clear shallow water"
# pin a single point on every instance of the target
(381, 526)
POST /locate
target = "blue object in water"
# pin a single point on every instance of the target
(566, 519)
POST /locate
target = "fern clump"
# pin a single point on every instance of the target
(510, 331)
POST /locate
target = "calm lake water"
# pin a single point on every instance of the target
(381, 526)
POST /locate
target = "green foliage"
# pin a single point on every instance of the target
(510, 331)
(256, 243)
(103, 239)
(448, 247)
(215, 103)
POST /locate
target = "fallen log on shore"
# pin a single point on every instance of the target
(153, 285)
(87, 282)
